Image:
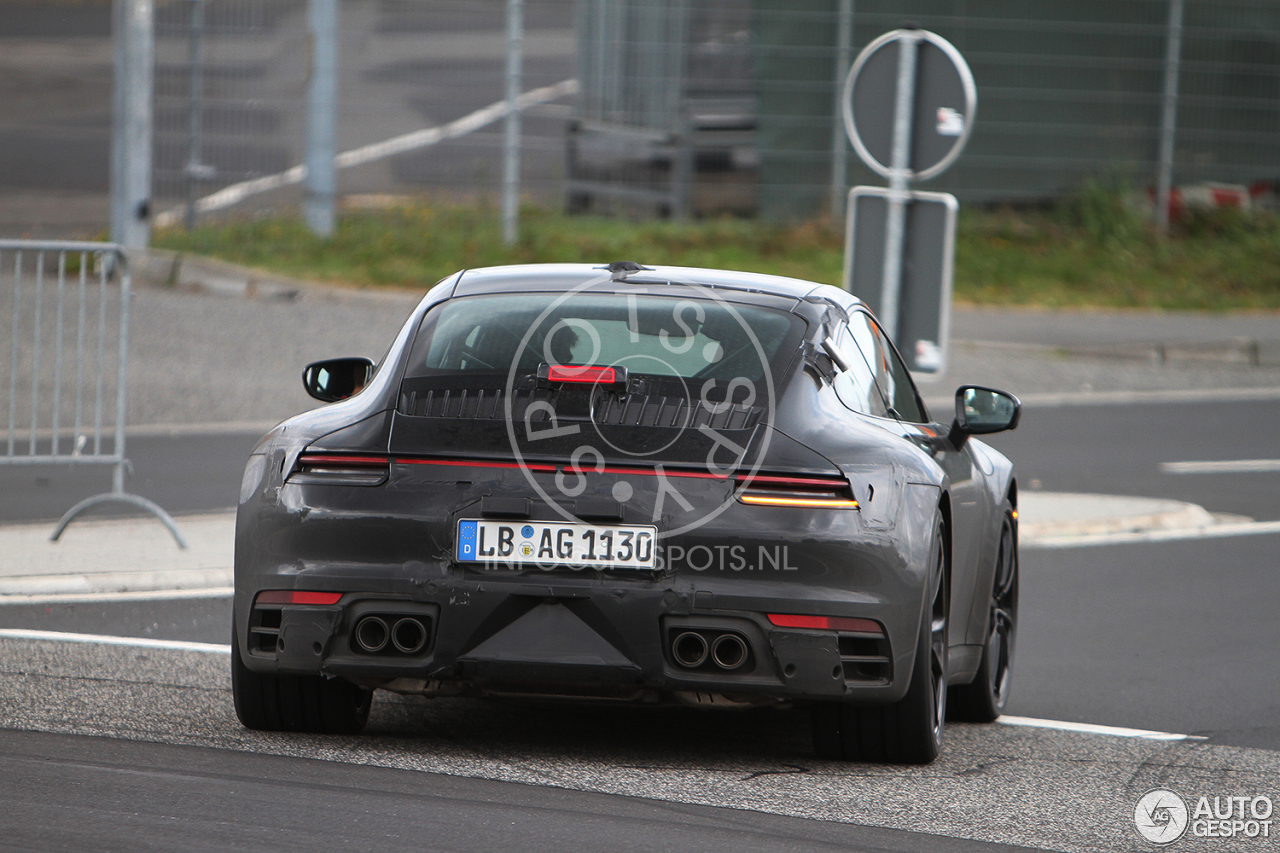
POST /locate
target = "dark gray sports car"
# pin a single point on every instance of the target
(627, 483)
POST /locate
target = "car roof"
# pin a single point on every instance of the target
(556, 277)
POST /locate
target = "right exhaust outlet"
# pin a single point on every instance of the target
(409, 636)
(729, 651)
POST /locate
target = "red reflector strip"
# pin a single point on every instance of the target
(475, 463)
(294, 596)
(561, 373)
(826, 623)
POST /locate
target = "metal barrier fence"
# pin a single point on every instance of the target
(67, 310)
(739, 95)
(230, 98)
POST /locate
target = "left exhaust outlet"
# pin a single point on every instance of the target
(372, 634)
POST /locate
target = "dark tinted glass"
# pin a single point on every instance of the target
(654, 335)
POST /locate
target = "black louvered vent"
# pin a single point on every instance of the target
(660, 411)
(652, 410)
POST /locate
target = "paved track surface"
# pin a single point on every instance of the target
(1007, 784)
(143, 796)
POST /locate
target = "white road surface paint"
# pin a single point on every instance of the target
(1227, 466)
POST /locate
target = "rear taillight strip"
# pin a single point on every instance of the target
(476, 463)
(819, 503)
(345, 461)
(816, 492)
(654, 472)
(804, 482)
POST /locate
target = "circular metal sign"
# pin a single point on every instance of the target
(941, 101)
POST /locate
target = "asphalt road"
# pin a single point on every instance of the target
(163, 797)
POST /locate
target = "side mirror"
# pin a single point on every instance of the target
(336, 378)
(982, 411)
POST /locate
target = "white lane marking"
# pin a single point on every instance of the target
(134, 595)
(213, 648)
(1090, 728)
(1172, 395)
(1221, 531)
(1228, 466)
(234, 194)
(107, 640)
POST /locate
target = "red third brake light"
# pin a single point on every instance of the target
(826, 623)
(564, 373)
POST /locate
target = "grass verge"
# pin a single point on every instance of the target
(1089, 252)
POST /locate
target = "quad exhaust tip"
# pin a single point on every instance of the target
(409, 636)
(372, 634)
(390, 635)
(689, 649)
(727, 650)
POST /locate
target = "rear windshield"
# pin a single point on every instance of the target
(649, 335)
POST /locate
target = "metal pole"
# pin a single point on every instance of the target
(122, 380)
(131, 131)
(1169, 116)
(119, 124)
(322, 110)
(839, 142)
(195, 126)
(511, 141)
(899, 183)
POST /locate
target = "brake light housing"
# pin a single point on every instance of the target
(591, 374)
(818, 492)
(346, 469)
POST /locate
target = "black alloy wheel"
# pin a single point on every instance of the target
(910, 730)
(986, 698)
(296, 703)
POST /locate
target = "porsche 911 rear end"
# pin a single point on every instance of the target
(577, 492)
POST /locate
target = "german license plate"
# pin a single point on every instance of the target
(551, 543)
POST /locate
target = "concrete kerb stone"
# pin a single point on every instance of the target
(168, 270)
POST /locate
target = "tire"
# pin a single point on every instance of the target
(297, 703)
(908, 731)
(986, 697)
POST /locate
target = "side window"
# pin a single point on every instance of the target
(856, 386)
(890, 373)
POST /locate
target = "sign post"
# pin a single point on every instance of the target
(909, 102)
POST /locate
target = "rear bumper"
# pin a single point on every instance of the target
(390, 551)
(580, 637)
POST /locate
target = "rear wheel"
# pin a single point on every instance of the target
(297, 703)
(985, 699)
(908, 731)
